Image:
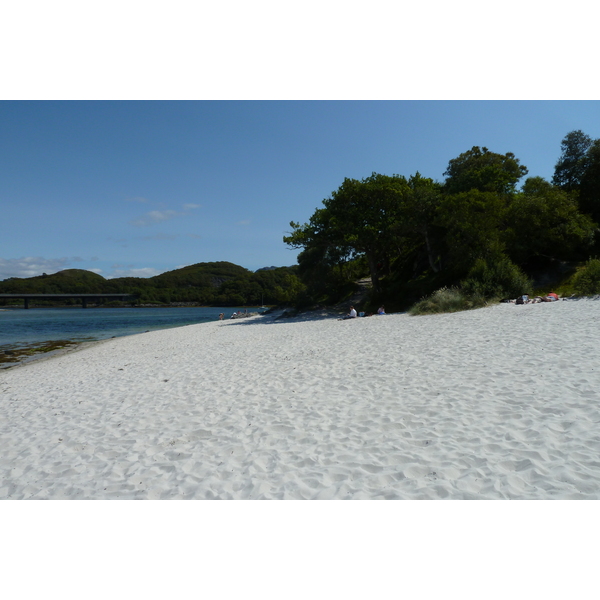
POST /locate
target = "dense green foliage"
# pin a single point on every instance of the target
(476, 233)
(498, 278)
(543, 220)
(216, 284)
(578, 171)
(589, 190)
(586, 282)
(355, 221)
(571, 165)
(480, 169)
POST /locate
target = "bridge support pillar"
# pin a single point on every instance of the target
(84, 302)
(26, 302)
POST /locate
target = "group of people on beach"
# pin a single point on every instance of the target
(353, 314)
(235, 315)
(525, 299)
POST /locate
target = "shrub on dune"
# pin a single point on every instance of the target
(486, 281)
(500, 278)
(586, 282)
(447, 300)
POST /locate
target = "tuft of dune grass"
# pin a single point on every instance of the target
(447, 300)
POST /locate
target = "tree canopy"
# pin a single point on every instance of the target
(589, 189)
(578, 171)
(358, 219)
(544, 220)
(411, 234)
(572, 162)
(480, 169)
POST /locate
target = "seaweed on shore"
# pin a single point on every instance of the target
(17, 355)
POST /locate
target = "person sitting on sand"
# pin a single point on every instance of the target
(352, 314)
(381, 310)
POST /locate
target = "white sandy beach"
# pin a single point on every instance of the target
(496, 403)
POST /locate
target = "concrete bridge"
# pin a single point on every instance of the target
(85, 298)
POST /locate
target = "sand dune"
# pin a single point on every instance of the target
(501, 402)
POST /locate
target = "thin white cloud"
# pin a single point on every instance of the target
(244, 223)
(31, 266)
(155, 216)
(142, 272)
(158, 216)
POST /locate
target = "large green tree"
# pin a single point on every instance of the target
(544, 220)
(589, 192)
(473, 222)
(572, 163)
(480, 169)
(420, 209)
(359, 219)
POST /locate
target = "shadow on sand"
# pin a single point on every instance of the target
(283, 316)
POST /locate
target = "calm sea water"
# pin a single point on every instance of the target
(19, 327)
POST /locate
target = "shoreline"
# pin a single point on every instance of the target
(494, 403)
(38, 351)
(280, 314)
(146, 305)
(31, 354)
(18, 352)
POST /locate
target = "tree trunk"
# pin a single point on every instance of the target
(374, 275)
(432, 264)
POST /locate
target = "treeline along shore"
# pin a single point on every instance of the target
(203, 284)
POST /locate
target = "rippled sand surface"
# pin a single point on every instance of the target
(496, 403)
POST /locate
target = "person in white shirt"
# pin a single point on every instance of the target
(352, 314)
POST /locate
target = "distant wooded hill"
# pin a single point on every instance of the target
(214, 283)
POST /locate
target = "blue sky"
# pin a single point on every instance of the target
(143, 187)
(136, 139)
